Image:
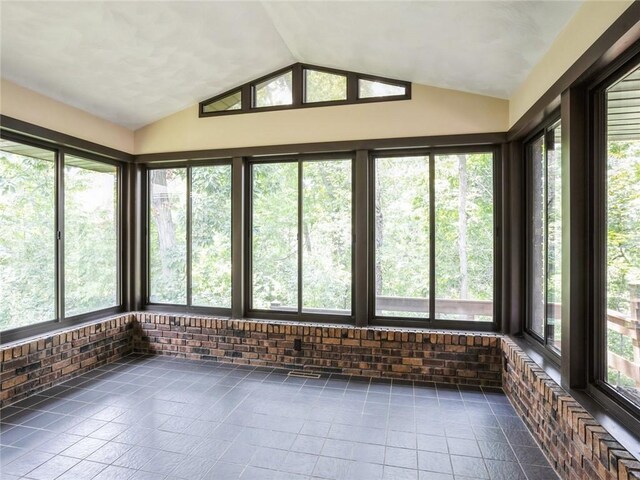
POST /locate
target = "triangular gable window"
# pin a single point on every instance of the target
(302, 86)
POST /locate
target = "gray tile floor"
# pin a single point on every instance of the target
(159, 418)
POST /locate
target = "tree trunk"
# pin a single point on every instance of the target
(161, 211)
(462, 228)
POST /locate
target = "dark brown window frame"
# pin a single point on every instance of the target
(598, 385)
(360, 151)
(543, 130)
(247, 91)
(60, 320)
(299, 315)
(431, 322)
(146, 283)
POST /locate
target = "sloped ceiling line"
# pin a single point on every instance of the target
(135, 62)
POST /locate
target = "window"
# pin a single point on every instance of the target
(274, 91)
(402, 229)
(304, 86)
(622, 237)
(230, 102)
(464, 237)
(189, 247)
(59, 236)
(434, 234)
(168, 236)
(301, 236)
(545, 236)
(374, 88)
(211, 236)
(91, 235)
(27, 235)
(322, 86)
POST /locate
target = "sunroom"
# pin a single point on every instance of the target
(319, 240)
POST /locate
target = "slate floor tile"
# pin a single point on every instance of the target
(158, 418)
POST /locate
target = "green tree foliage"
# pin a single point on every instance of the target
(27, 239)
(211, 236)
(274, 258)
(623, 243)
(168, 236)
(91, 236)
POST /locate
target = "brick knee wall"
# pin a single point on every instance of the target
(462, 358)
(575, 444)
(44, 361)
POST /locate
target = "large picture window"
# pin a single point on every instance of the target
(622, 237)
(434, 237)
(189, 228)
(59, 236)
(544, 237)
(301, 236)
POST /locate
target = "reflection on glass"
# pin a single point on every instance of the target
(401, 229)
(537, 238)
(27, 235)
(371, 89)
(324, 87)
(230, 102)
(326, 237)
(275, 91)
(464, 237)
(274, 235)
(554, 238)
(167, 236)
(91, 236)
(623, 237)
(211, 236)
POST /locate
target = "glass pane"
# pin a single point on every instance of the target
(275, 236)
(211, 236)
(168, 236)
(327, 237)
(230, 102)
(91, 235)
(402, 236)
(464, 237)
(554, 237)
(275, 91)
(27, 235)
(324, 87)
(536, 237)
(369, 89)
(623, 238)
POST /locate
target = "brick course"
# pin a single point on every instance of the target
(448, 357)
(44, 361)
(577, 447)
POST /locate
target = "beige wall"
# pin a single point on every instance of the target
(431, 111)
(29, 106)
(589, 22)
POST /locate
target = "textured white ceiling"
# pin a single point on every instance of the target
(135, 62)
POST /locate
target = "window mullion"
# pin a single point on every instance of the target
(432, 238)
(59, 221)
(300, 249)
(189, 236)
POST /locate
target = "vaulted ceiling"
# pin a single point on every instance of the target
(135, 62)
